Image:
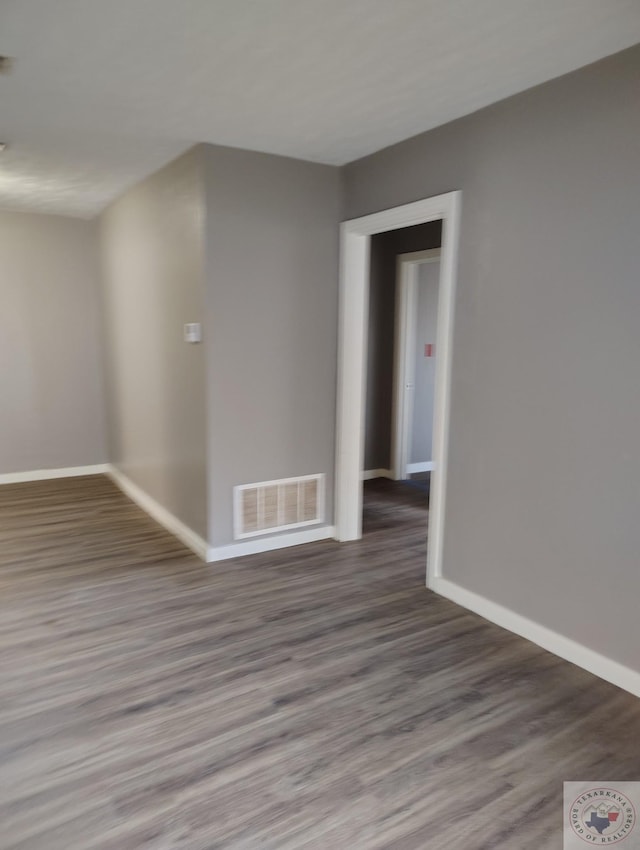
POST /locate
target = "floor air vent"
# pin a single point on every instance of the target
(278, 505)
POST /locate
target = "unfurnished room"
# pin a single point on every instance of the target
(319, 417)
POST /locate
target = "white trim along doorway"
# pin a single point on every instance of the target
(355, 239)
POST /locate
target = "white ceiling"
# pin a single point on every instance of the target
(103, 92)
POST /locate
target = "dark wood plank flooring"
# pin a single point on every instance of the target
(318, 697)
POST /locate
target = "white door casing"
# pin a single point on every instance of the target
(352, 349)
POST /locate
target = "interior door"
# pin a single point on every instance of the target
(420, 456)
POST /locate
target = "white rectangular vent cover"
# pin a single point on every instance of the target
(277, 505)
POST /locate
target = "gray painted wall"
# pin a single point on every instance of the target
(51, 382)
(420, 448)
(272, 265)
(152, 246)
(385, 248)
(544, 473)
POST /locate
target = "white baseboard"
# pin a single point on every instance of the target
(570, 650)
(46, 474)
(156, 511)
(368, 474)
(421, 466)
(268, 544)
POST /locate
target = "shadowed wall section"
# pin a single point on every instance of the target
(152, 248)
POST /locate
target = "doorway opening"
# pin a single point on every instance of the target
(356, 239)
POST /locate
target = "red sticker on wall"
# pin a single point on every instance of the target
(428, 349)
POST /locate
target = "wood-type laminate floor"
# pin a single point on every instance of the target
(317, 697)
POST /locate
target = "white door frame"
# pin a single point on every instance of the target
(404, 357)
(355, 237)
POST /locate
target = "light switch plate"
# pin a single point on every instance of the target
(193, 332)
